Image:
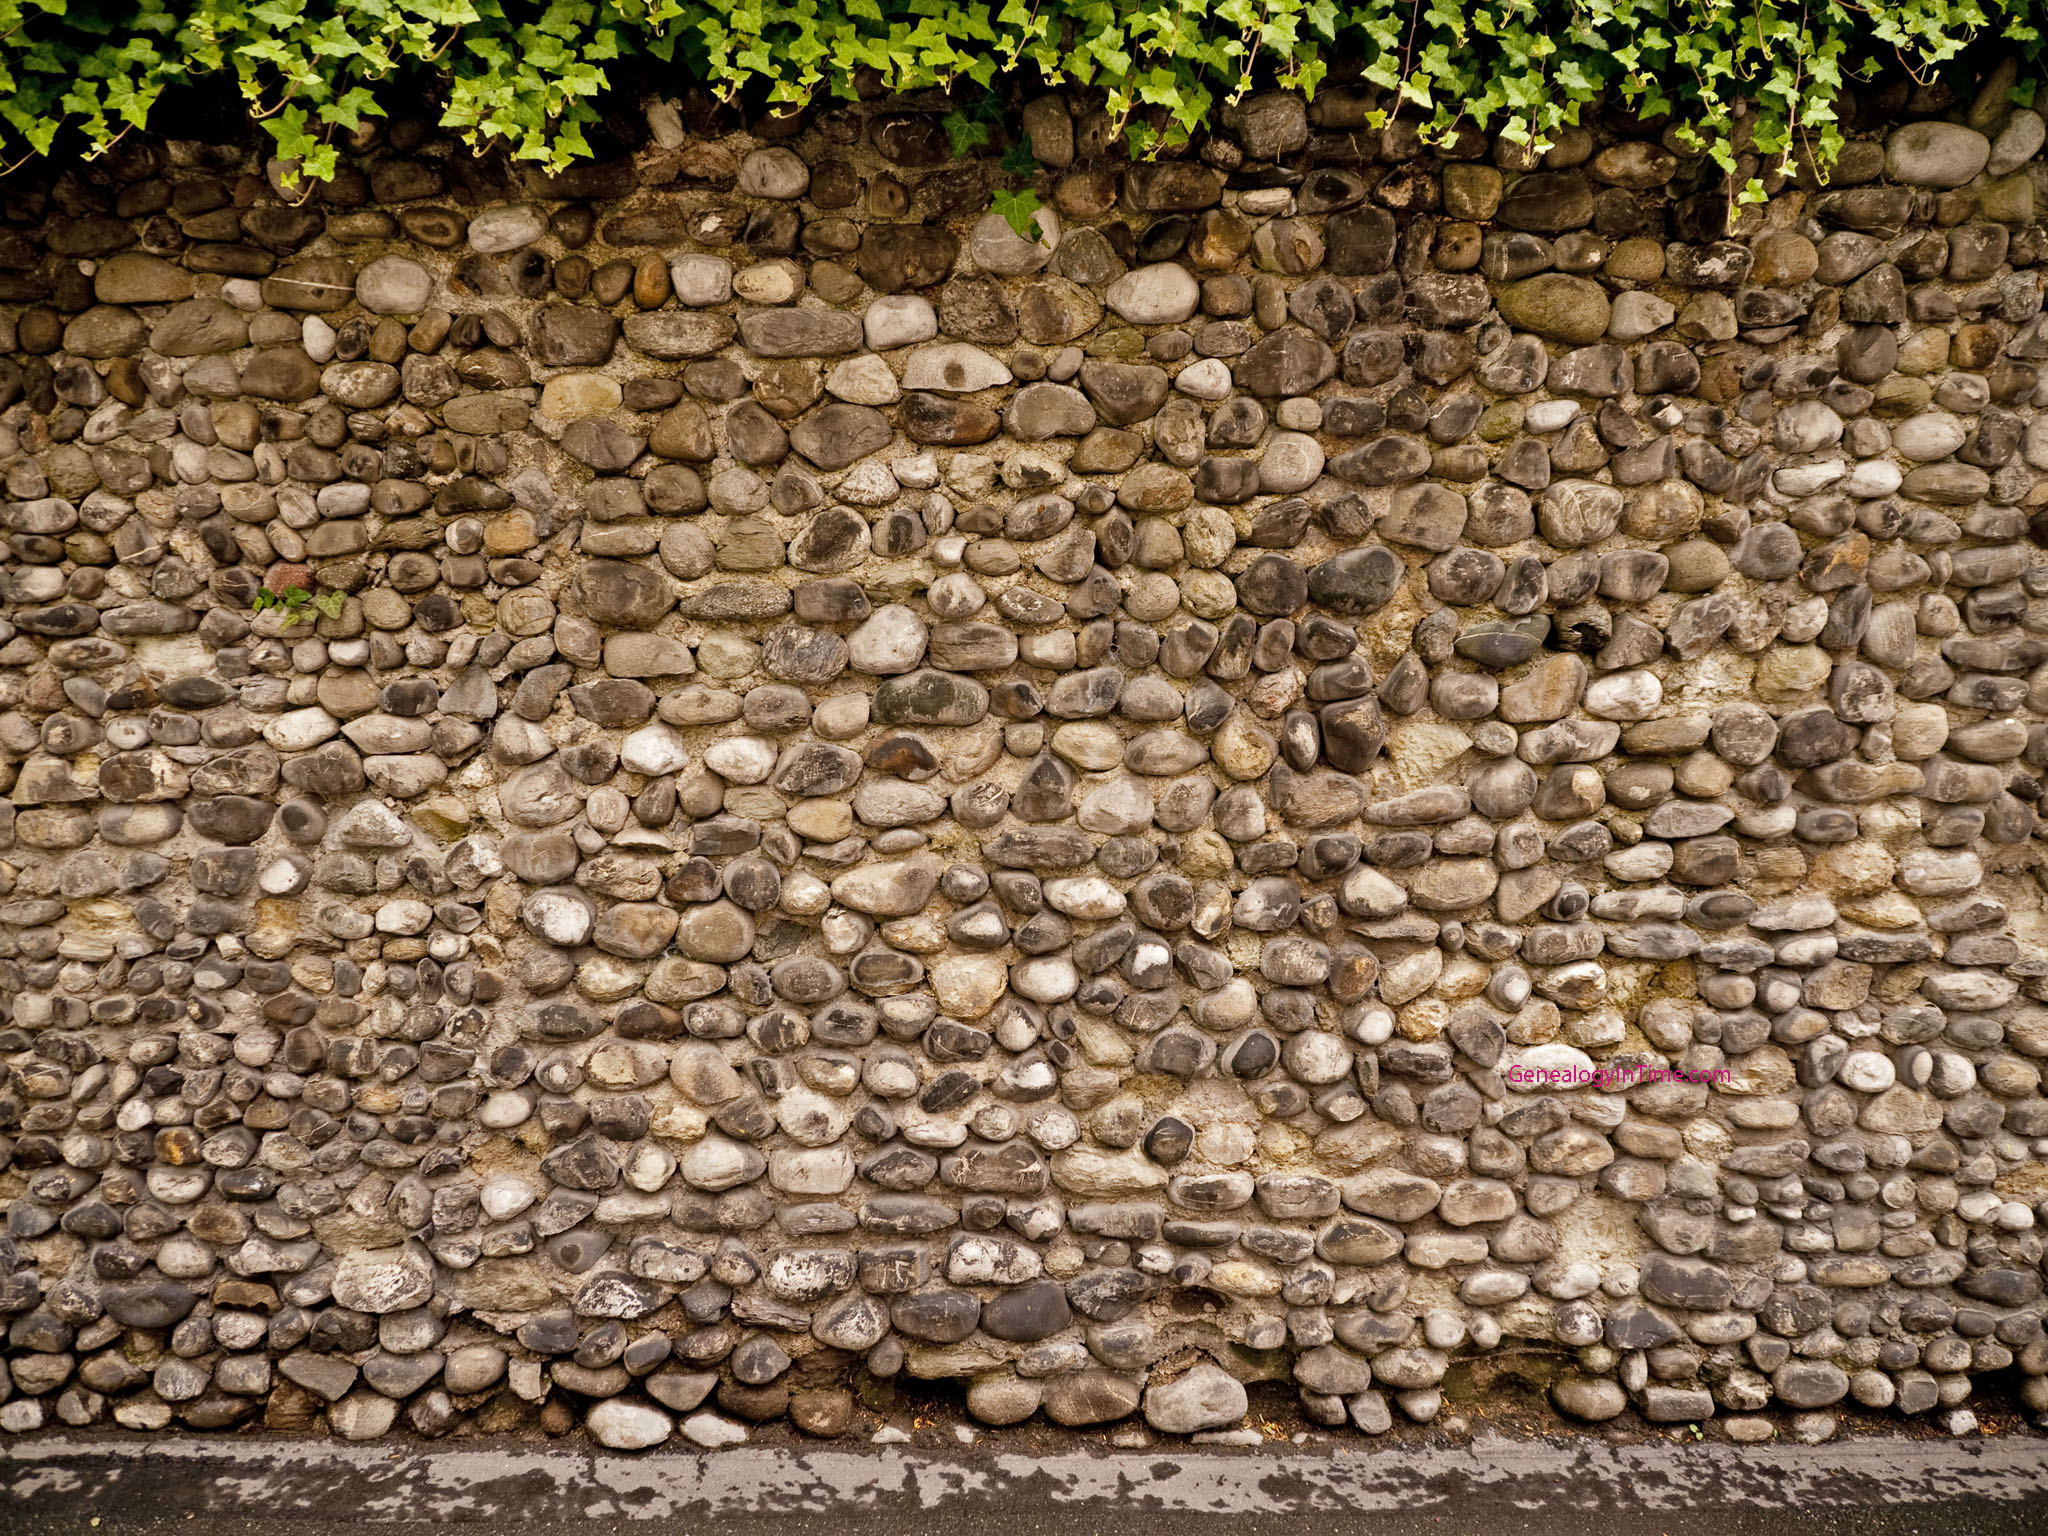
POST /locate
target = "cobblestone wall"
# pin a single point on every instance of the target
(848, 792)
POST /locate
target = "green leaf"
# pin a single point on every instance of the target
(963, 132)
(1019, 208)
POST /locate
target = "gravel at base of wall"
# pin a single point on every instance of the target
(856, 792)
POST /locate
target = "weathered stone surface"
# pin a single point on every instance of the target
(1206, 1397)
(799, 332)
(1164, 294)
(387, 1280)
(1561, 308)
(1082, 812)
(1935, 154)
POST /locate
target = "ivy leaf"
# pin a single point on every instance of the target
(963, 132)
(330, 602)
(1019, 209)
(1019, 161)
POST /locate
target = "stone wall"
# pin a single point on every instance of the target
(856, 794)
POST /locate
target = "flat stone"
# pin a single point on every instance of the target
(1557, 306)
(621, 1425)
(1935, 154)
(1204, 1397)
(1163, 294)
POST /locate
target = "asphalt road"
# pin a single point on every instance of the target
(255, 1485)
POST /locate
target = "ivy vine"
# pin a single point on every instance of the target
(530, 75)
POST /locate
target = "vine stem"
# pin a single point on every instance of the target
(1408, 52)
(269, 112)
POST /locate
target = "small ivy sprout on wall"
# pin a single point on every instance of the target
(971, 129)
(296, 602)
(1020, 208)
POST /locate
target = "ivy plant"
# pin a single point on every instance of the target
(530, 75)
(296, 604)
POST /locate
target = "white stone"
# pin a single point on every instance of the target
(811, 1170)
(1624, 696)
(1550, 415)
(505, 1195)
(1084, 896)
(769, 282)
(1806, 426)
(920, 472)
(383, 1280)
(1045, 978)
(1929, 436)
(1638, 314)
(509, 227)
(863, 380)
(1871, 479)
(887, 802)
(1648, 860)
(1208, 379)
(562, 917)
(1867, 1072)
(967, 986)
(888, 890)
(1807, 479)
(1293, 461)
(997, 247)
(1368, 893)
(620, 1424)
(1939, 872)
(812, 1119)
(776, 172)
(373, 824)
(741, 759)
(868, 484)
(505, 1109)
(715, 1164)
(899, 320)
(1317, 1057)
(891, 641)
(654, 750)
(363, 1416)
(301, 730)
(1162, 294)
(700, 280)
(1117, 809)
(977, 1260)
(317, 337)
(394, 285)
(842, 716)
(404, 916)
(282, 877)
(954, 367)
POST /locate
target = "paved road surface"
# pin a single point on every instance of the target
(276, 1486)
